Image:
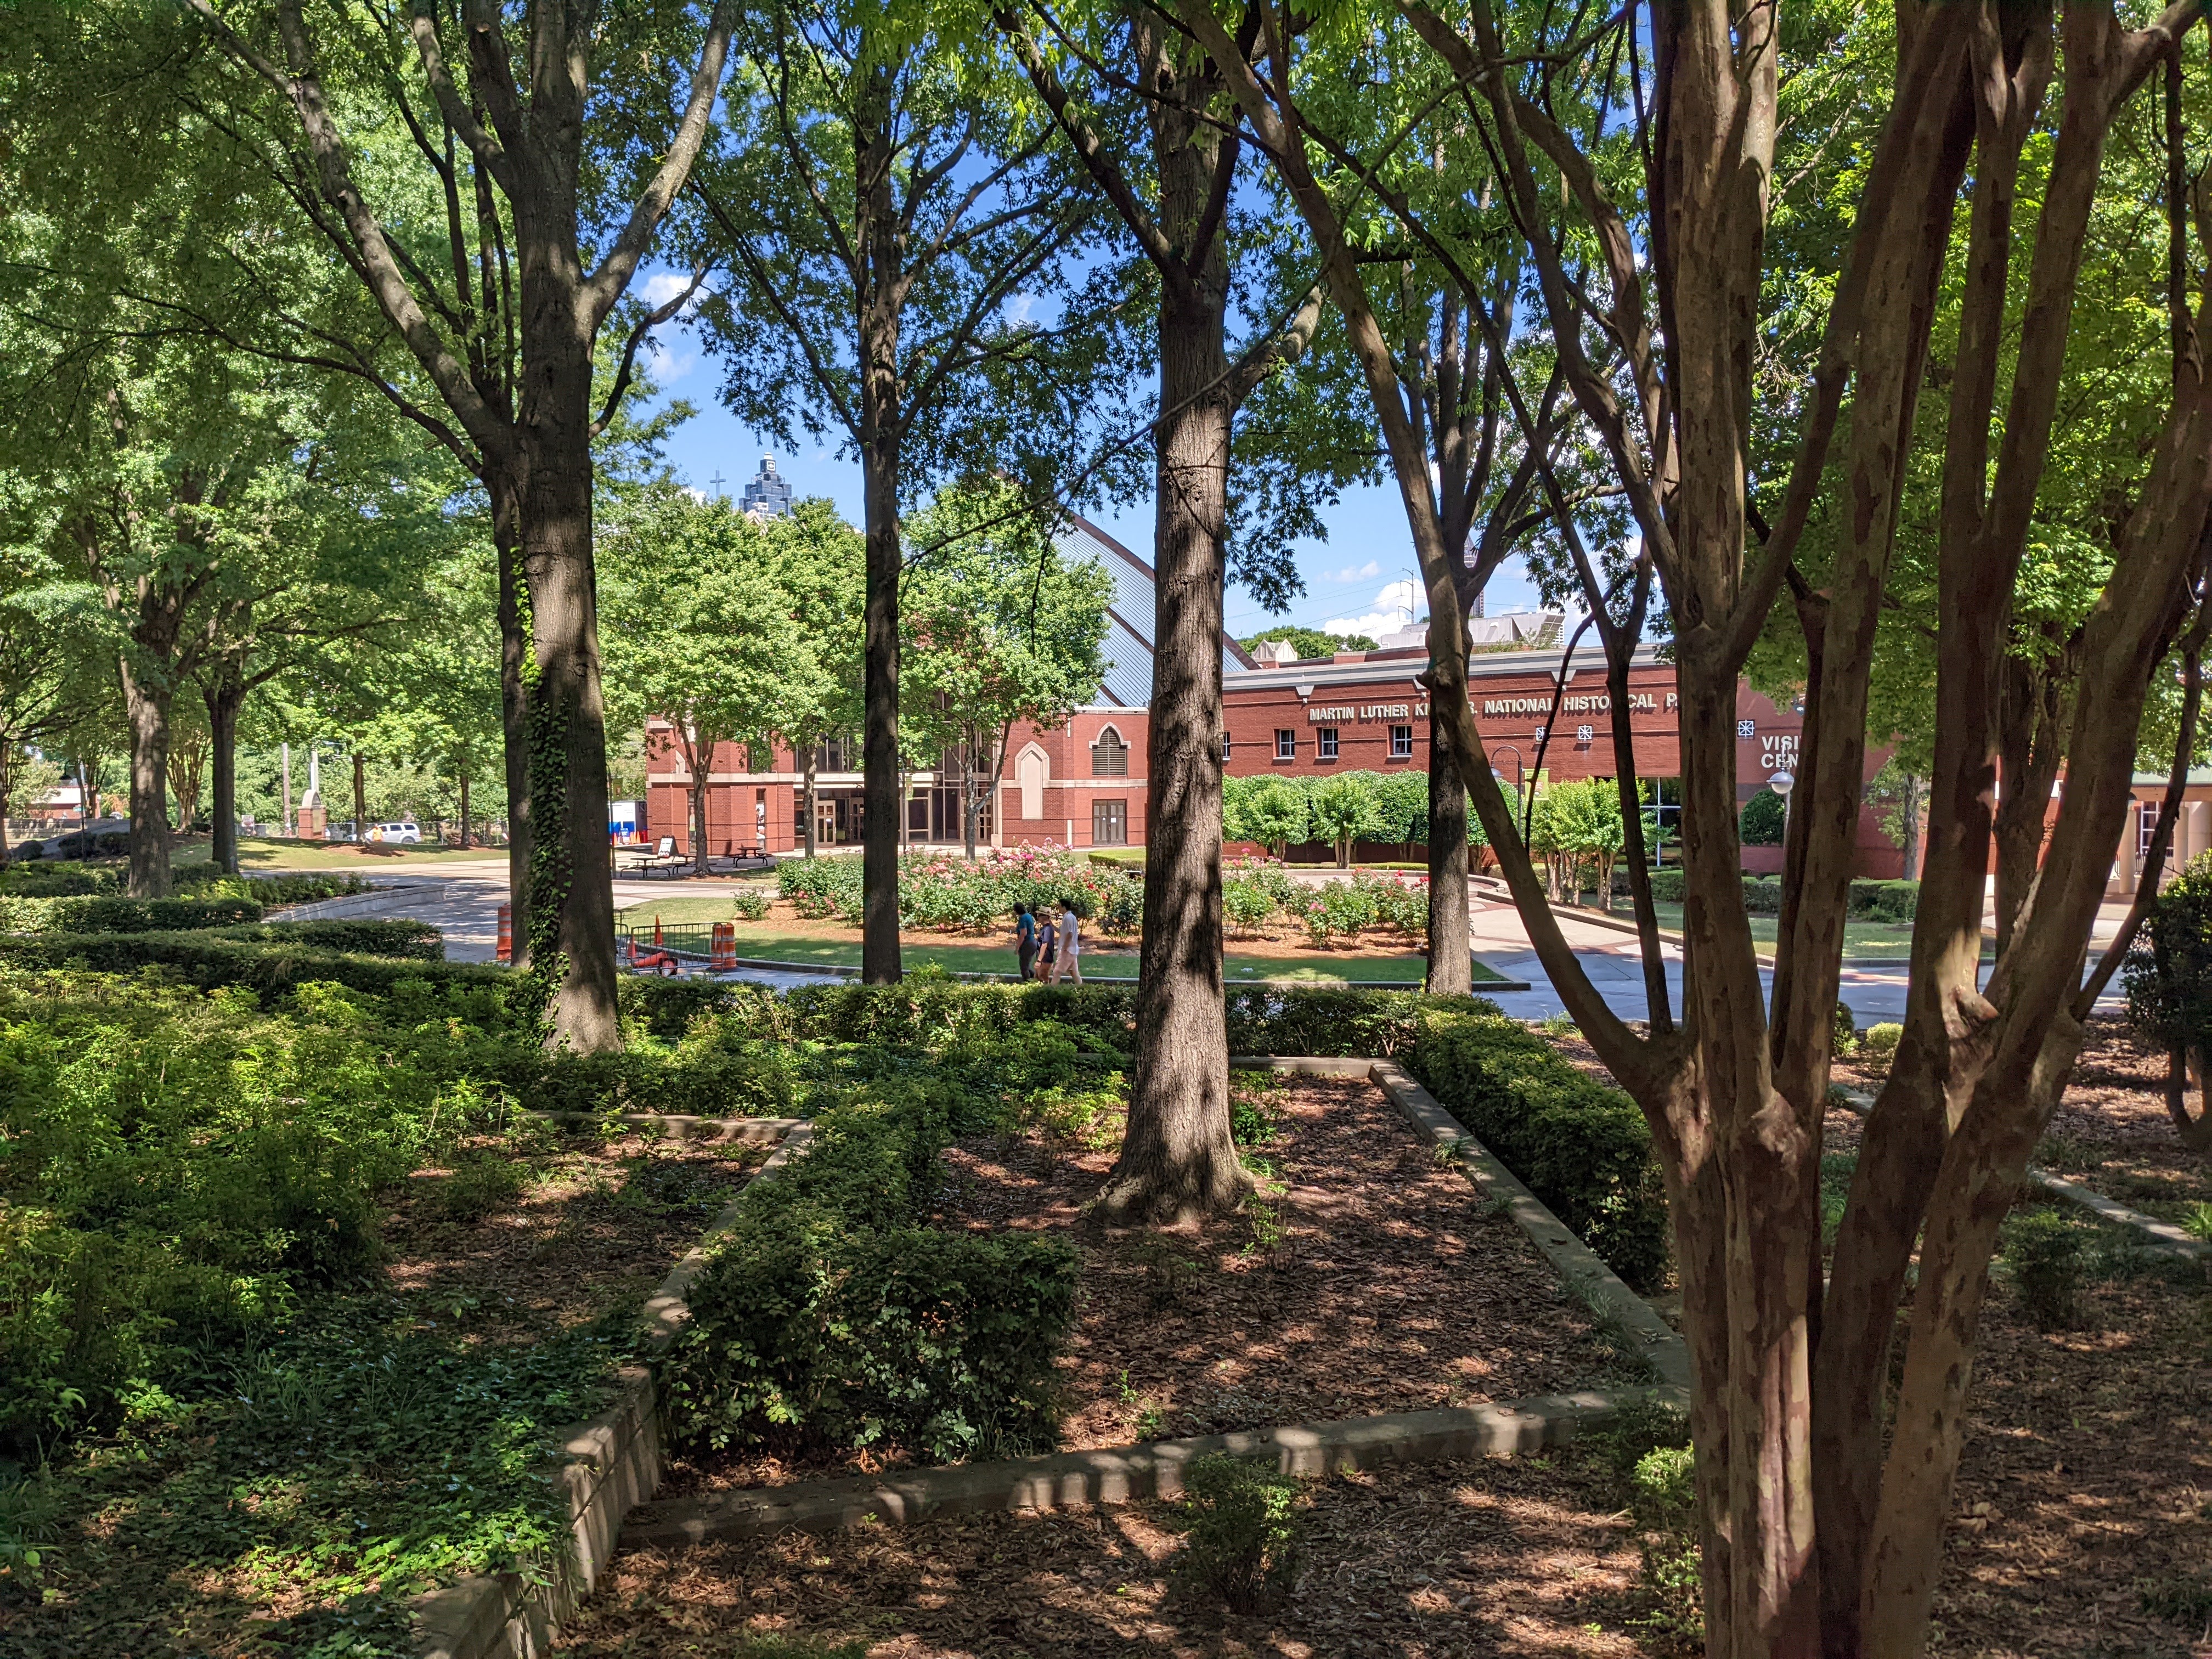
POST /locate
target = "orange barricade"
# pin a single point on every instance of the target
(722, 948)
(507, 933)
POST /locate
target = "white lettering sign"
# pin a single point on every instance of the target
(1317, 715)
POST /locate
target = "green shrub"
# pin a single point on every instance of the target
(1881, 1039)
(100, 915)
(1664, 1500)
(1883, 901)
(1667, 886)
(480, 1184)
(1244, 1531)
(1337, 909)
(412, 941)
(1582, 1145)
(1763, 820)
(1843, 1030)
(749, 905)
(829, 1313)
(2049, 1255)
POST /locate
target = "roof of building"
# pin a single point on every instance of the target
(1129, 615)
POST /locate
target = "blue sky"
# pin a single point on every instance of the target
(1361, 577)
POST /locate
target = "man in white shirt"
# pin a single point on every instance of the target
(1068, 963)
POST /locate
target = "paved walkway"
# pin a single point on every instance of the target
(462, 901)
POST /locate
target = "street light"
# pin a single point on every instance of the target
(1781, 783)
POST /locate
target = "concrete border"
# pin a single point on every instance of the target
(1122, 1475)
(677, 1126)
(2163, 1237)
(1605, 1292)
(610, 1465)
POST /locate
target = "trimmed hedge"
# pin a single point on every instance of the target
(1869, 901)
(1582, 1145)
(375, 936)
(122, 915)
(831, 1314)
(269, 964)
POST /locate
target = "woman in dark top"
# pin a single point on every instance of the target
(1025, 939)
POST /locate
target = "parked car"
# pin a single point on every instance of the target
(399, 832)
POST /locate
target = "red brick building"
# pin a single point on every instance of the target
(1084, 784)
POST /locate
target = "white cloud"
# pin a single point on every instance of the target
(1349, 574)
(1394, 609)
(1024, 304)
(661, 287)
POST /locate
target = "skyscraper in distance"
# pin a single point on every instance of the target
(768, 495)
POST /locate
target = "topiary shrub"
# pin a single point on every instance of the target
(830, 1314)
(1765, 817)
(2048, 1255)
(1244, 1531)
(1582, 1145)
(1880, 1041)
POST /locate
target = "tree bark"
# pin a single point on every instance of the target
(880, 238)
(464, 810)
(1178, 1160)
(360, 798)
(813, 817)
(571, 888)
(1451, 970)
(146, 713)
(223, 698)
(698, 752)
(514, 652)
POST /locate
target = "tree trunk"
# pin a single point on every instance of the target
(813, 811)
(513, 712)
(223, 704)
(1178, 1160)
(696, 789)
(572, 889)
(145, 711)
(1451, 971)
(881, 237)
(464, 810)
(6, 782)
(360, 798)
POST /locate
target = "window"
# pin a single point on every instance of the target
(1224, 748)
(1325, 743)
(2146, 828)
(1110, 823)
(1286, 744)
(1110, 756)
(1401, 742)
(839, 754)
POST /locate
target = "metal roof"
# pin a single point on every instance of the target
(1129, 615)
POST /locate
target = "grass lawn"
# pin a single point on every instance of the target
(1861, 939)
(255, 852)
(1099, 963)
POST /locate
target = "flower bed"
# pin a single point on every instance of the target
(937, 889)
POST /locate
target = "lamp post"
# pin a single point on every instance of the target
(1781, 783)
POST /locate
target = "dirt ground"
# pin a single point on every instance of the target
(1522, 1557)
(1365, 1279)
(593, 1225)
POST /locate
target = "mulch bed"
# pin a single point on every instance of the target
(2111, 1131)
(1504, 1556)
(1369, 1279)
(598, 1223)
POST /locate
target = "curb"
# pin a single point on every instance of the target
(2164, 1238)
(1603, 1291)
(711, 1131)
(610, 1464)
(1122, 1475)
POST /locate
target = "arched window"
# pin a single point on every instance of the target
(1110, 756)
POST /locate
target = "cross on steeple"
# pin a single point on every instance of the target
(716, 482)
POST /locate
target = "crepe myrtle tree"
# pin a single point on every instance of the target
(1823, 1490)
(555, 174)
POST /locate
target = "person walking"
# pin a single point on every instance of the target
(1048, 942)
(1069, 964)
(1025, 941)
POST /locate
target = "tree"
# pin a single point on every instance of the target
(1345, 809)
(1168, 166)
(1821, 1511)
(1308, 642)
(1271, 811)
(1903, 795)
(550, 167)
(700, 631)
(824, 565)
(37, 704)
(999, 629)
(889, 215)
(1762, 819)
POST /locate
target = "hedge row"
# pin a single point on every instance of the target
(1869, 901)
(121, 915)
(1582, 1145)
(269, 960)
(833, 1312)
